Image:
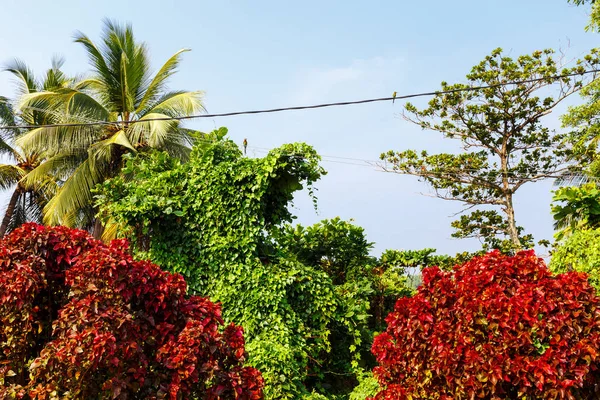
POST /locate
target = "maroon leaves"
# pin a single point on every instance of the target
(79, 319)
(495, 327)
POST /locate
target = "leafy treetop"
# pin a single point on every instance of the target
(211, 219)
(505, 145)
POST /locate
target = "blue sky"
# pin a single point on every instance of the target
(262, 54)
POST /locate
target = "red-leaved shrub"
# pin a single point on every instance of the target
(81, 320)
(497, 327)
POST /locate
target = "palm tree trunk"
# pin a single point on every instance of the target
(10, 211)
(98, 229)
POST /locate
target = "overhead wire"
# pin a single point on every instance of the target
(361, 162)
(306, 107)
(376, 164)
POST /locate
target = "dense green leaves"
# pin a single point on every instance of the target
(208, 219)
(579, 252)
(576, 208)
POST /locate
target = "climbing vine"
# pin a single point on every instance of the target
(213, 219)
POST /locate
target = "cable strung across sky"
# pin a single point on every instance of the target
(309, 107)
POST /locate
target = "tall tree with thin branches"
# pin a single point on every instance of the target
(504, 143)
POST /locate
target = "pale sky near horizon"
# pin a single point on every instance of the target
(266, 54)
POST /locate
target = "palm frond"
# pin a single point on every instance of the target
(75, 194)
(10, 175)
(58, 168)
(158, 84)
(147, 131)
(51, 141)
(102, 151)
(7, 116)
(178, 103)
(25, 78)
(55, 78)
(65, 105)
(125, 69)
(89, 83)
(96, 59)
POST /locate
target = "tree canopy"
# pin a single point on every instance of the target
(505, 144)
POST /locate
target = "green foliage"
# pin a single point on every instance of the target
(214, 219)
(505, 144)
(594, 24)
(578, 208)
(585, 122)
(338, 247)
(420, 259)
(121, 90)
(579, 252)
(366, 388)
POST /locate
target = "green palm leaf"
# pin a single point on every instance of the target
(10, 175)
(74, 194)
(159, 82)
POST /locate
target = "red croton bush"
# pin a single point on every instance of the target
(497, 327)
(80, 320)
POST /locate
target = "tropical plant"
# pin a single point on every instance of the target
(122, 108)
(496, 327)
(579, 252)
(81, 320)
(28, 196)
(505, 145)
(576, 208)
(594, 24)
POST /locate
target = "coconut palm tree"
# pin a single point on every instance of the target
(121, 91)
(27, 199)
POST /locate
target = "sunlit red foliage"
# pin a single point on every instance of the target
(80, 319)
(497, 327)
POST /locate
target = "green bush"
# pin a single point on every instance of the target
(580, 252)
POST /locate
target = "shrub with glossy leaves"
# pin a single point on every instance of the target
(80, 319)
(496, 327)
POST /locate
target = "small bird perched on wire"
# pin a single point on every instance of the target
(393, 97)
(245, 143)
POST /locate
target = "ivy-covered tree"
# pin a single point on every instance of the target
(339, 247)
(212, 219)
(505, 144)
(82, 320)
